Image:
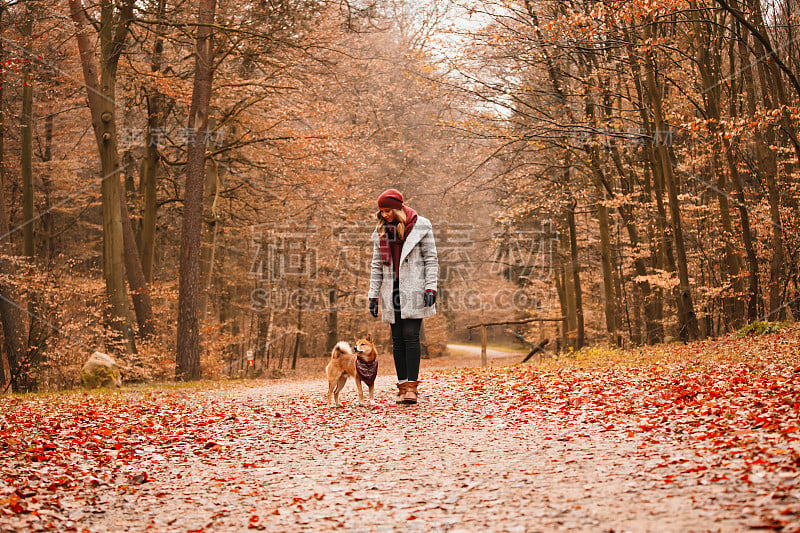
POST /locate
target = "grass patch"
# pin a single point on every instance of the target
(760, 327)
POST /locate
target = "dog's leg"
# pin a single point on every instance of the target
(372, 393)
(331, 385)
(360, 390)
(339, 387)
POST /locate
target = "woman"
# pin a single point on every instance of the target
(405, 268)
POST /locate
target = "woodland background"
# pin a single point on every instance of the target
(186, 181)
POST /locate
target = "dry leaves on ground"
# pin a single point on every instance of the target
(703, 437)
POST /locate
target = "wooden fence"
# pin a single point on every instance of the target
(539, 347)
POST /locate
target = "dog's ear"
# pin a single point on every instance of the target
(369, 337)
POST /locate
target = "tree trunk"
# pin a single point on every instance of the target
(188, 344)
(212, 225)
(26, 150)
(152, 157)
(561, 290)
(610, 300)
(653, 328)
(774, 96)
(755, 304)
(333, 319)
(603, 188)
(753, 291)
(689, 329)
(15, 349)
(653, 188)
(48, 221)
(264, 318)
(5, 371)
(733, 309)
(269, 337)
(13, 324)
(298, 336)
(100, 95)
(609, 293)
(227, 318)
(25, 375)
(575, 269)
(708, 64)
(140, 293)
(609, 282)
(568, 289)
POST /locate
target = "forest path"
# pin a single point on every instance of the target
(482, 451)
(475, 351)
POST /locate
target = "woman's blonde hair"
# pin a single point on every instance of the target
(400, 216)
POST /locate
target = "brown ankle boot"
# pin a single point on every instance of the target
(411, 393)
(402, 389)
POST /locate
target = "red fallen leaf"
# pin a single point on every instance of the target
(255, 518)
(768, 523)
(695, 469)
(15, 504)
(412, 517)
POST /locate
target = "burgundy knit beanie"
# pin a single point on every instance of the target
(391, 199)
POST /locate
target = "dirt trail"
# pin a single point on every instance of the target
(282, 461)
(475, 351)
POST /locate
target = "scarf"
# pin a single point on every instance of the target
(390, 244)
(367, 370)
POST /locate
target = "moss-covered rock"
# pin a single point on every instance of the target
(100, 370)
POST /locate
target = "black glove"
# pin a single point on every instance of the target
(429, 298)
(373, 306)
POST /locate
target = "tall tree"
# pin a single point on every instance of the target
(689, 329)
(150, 162)
(26, 153)
(112, 28)
(188, 354)
(13, 354)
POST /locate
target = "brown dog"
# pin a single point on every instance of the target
(361, 365)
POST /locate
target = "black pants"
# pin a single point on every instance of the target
(405, 341)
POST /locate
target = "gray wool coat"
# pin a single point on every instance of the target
(419, 271)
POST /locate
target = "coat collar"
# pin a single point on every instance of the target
(421, 227)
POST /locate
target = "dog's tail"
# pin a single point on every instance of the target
(341, 348)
